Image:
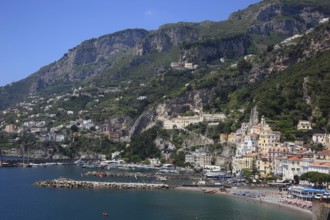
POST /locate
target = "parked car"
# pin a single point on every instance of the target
(318, 196)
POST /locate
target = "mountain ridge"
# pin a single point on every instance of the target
(176, 34)
(135, 66)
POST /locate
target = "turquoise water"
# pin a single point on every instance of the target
(19, 199)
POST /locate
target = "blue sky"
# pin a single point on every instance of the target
(35, 33)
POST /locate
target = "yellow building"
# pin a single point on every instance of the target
(227, 137)
(267, 139)
(223, 138)
(243, 162)
(263, 167)
(231, 137)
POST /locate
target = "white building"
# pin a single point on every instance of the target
(321, 139)
(213, 117)
(305, 164)
(59, 137)
(199, 159)
(154, 161)
(181, 122)
(304, 125)
(321, 167)
(184, 121)
(292, 167)
(248, 145)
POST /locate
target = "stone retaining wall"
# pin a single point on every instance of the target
(321, 210)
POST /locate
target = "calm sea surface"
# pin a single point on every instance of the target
(19, 199)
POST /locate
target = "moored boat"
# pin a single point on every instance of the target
(211, 191)
(105, 214)
(6, 164)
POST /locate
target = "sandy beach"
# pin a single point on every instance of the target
(270, 196)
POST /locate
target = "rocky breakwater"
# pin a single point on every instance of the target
(77, 184)
(120, 175)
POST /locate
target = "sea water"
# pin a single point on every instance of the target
(20, 199)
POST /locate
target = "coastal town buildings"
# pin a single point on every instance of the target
(322, 155)
(248, 145)
(246, 161)
(263, 166)
(323, 139)
(320, 166)
(291, 167)
(258, 145)
(199, 159)
(181, 122)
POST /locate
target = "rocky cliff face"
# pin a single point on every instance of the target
(168, 36)
(191, 101)
(265, 20)
(144, 122)
(280, 17)
(93, 57)
(211, 50)
(88, 59)
(306, 47)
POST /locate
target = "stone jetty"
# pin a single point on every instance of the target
(143, 175)
(77, 184)
(120, 175)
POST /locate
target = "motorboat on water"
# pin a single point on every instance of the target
(5, 164)
(105, 214)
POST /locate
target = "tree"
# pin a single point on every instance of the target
(255, 170)
(142, 146)
(74, 128)
(244, 66)
(315, 177)
(296, 179)
(246, 173)
(318, 147)
(179, 159)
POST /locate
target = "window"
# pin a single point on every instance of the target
(293, 169)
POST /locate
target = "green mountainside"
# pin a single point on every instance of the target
(273, 55)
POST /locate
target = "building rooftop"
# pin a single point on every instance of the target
(320, 164)
(294, 158)
(323, 152)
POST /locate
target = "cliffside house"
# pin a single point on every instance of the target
(304, 125)
(10, 128)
